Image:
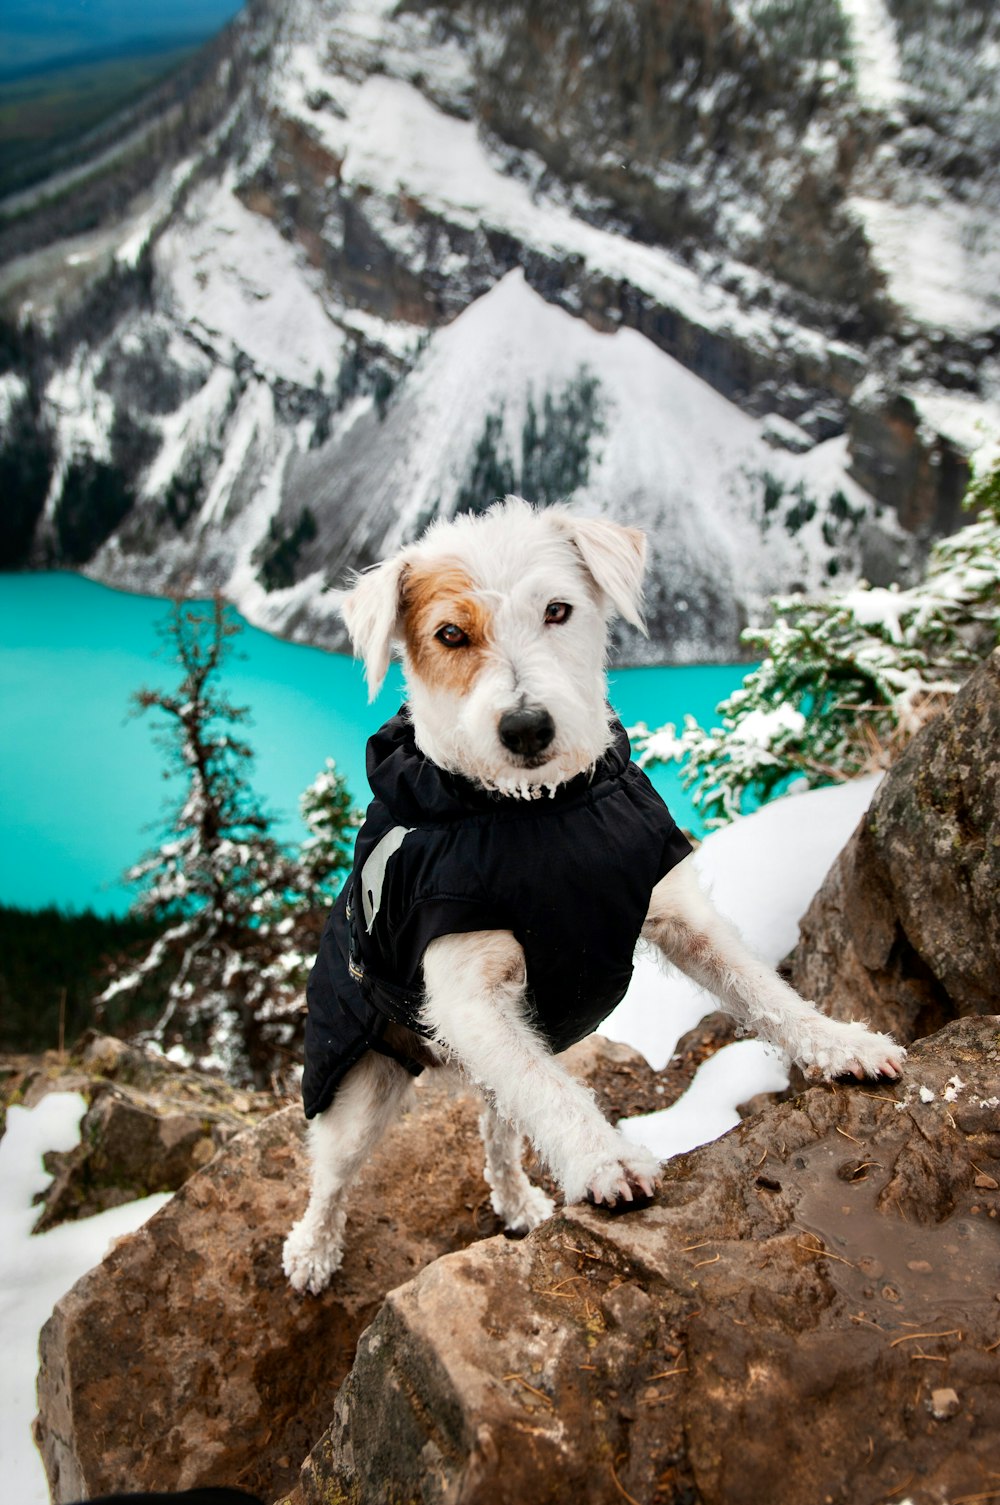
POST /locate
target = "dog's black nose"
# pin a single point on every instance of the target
(527, 732)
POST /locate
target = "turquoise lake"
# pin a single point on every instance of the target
(82, 792)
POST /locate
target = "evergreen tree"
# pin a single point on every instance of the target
(847, 680)
(555, 451)
(242, 912)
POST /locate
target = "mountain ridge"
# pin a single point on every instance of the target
(393, 188)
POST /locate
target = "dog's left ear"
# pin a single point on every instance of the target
(372, 611)
(614, 556)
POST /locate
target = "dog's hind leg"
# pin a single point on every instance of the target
(521, 1205)
(341, 1140)
(475, 1007)
(689, 931)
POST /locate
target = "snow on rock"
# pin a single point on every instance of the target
(669, 453)
(763, 869)
(84, 414)
(708, 1108)
(762, 872)
(393, 140)
(36, 1271)
(237, 283)
(941, 257)
(971, 423)
(12, 391)
(876, 53)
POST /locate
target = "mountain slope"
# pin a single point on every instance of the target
(665, 263)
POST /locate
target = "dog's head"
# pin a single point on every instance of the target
(502, 621)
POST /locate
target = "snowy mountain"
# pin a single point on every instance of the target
(727, 271)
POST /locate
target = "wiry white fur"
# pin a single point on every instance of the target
(341, 1140)
(519, 561)
(520, 1205)
(689, 931)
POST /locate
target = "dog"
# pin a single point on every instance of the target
(509, 862)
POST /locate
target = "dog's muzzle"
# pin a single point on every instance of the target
(526, 732)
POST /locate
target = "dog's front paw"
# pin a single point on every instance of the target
(310, 1259)
(530, 1209)
(630, 1175)
(836, 1048)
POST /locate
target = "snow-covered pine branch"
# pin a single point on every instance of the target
(845, 681)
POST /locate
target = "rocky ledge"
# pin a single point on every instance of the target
(149, 1123)
(904, 930)
(185, 1359)
(809, 1312)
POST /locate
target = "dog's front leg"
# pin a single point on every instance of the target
(340, 1141)
(690, 932)
(520, 1205)
(475, 1006)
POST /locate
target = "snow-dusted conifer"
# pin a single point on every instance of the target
(846, 680)
(241, 911)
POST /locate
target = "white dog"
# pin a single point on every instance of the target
(508, 864)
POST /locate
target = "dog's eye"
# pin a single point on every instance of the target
(452, 636)
(558, 612)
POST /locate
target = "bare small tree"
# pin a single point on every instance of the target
(242, 912)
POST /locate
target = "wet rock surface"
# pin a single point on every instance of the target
(809, 1311)
(185, 1359)
(904, 930)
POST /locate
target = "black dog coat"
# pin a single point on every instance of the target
(569, 875)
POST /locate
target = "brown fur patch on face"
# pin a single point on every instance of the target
(434, 596)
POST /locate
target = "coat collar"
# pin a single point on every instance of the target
(418, 792)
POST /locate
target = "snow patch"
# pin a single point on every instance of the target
(243, 288)
(12, 390)
(876, 53)
(392, 140)
(762, 871)
(708, 1107)
(36, 1270)
(941, 257)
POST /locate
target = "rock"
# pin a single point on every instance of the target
(185, 1359)
(904, 930)
(150, 1124)
(901, 460)
(944, 1403)
(782, 433)
(765, 1331)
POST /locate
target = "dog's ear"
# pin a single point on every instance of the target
(614, 556)
(371, 610)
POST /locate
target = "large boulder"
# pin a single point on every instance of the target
(810, 1311)
(185, 1359)
(904, 931)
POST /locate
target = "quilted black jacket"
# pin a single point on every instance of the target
(570, 875)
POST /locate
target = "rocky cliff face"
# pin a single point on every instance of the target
(212, 1371)
(808, 1311)
(904, 929)
(720, 270)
